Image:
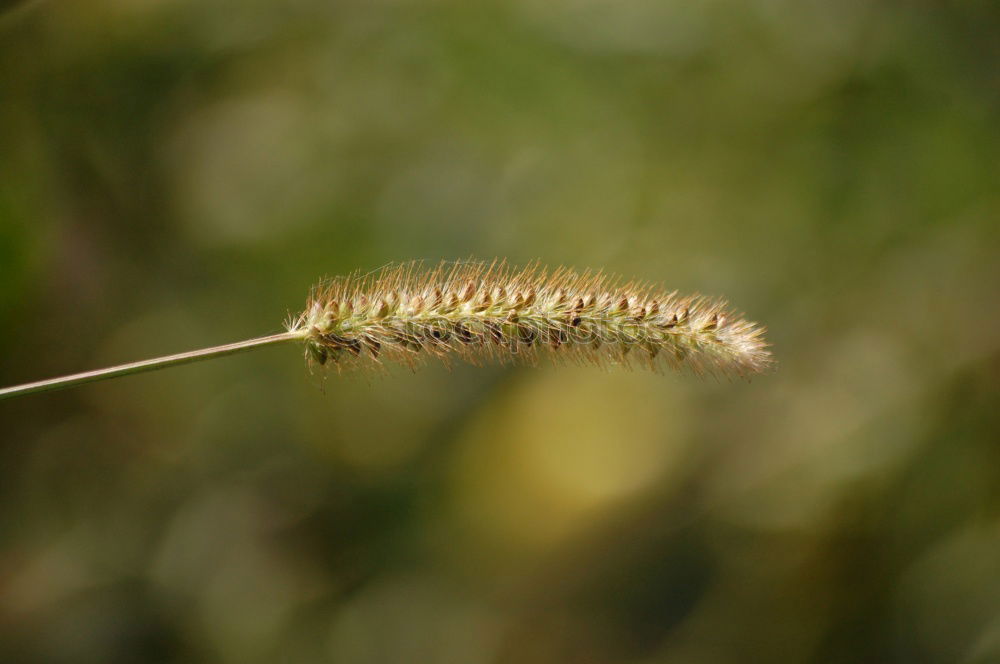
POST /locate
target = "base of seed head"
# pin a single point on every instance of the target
(480, 312)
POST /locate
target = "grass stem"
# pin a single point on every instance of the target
(154, 364)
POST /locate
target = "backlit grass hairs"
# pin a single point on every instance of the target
(488, 311)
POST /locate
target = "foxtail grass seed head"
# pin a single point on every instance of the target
(490, 311)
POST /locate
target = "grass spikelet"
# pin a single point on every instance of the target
(482, 312)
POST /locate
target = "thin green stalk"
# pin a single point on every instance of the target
(154, 364)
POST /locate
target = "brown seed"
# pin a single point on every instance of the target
(317, 353)
(527, 335)
(462, 333)
(483, 301)
(493, 332)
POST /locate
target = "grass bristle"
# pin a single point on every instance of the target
(483, 312)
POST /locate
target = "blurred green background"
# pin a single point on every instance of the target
(177, 173)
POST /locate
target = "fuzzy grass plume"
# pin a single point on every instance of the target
(481, 312)
(489, 311)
